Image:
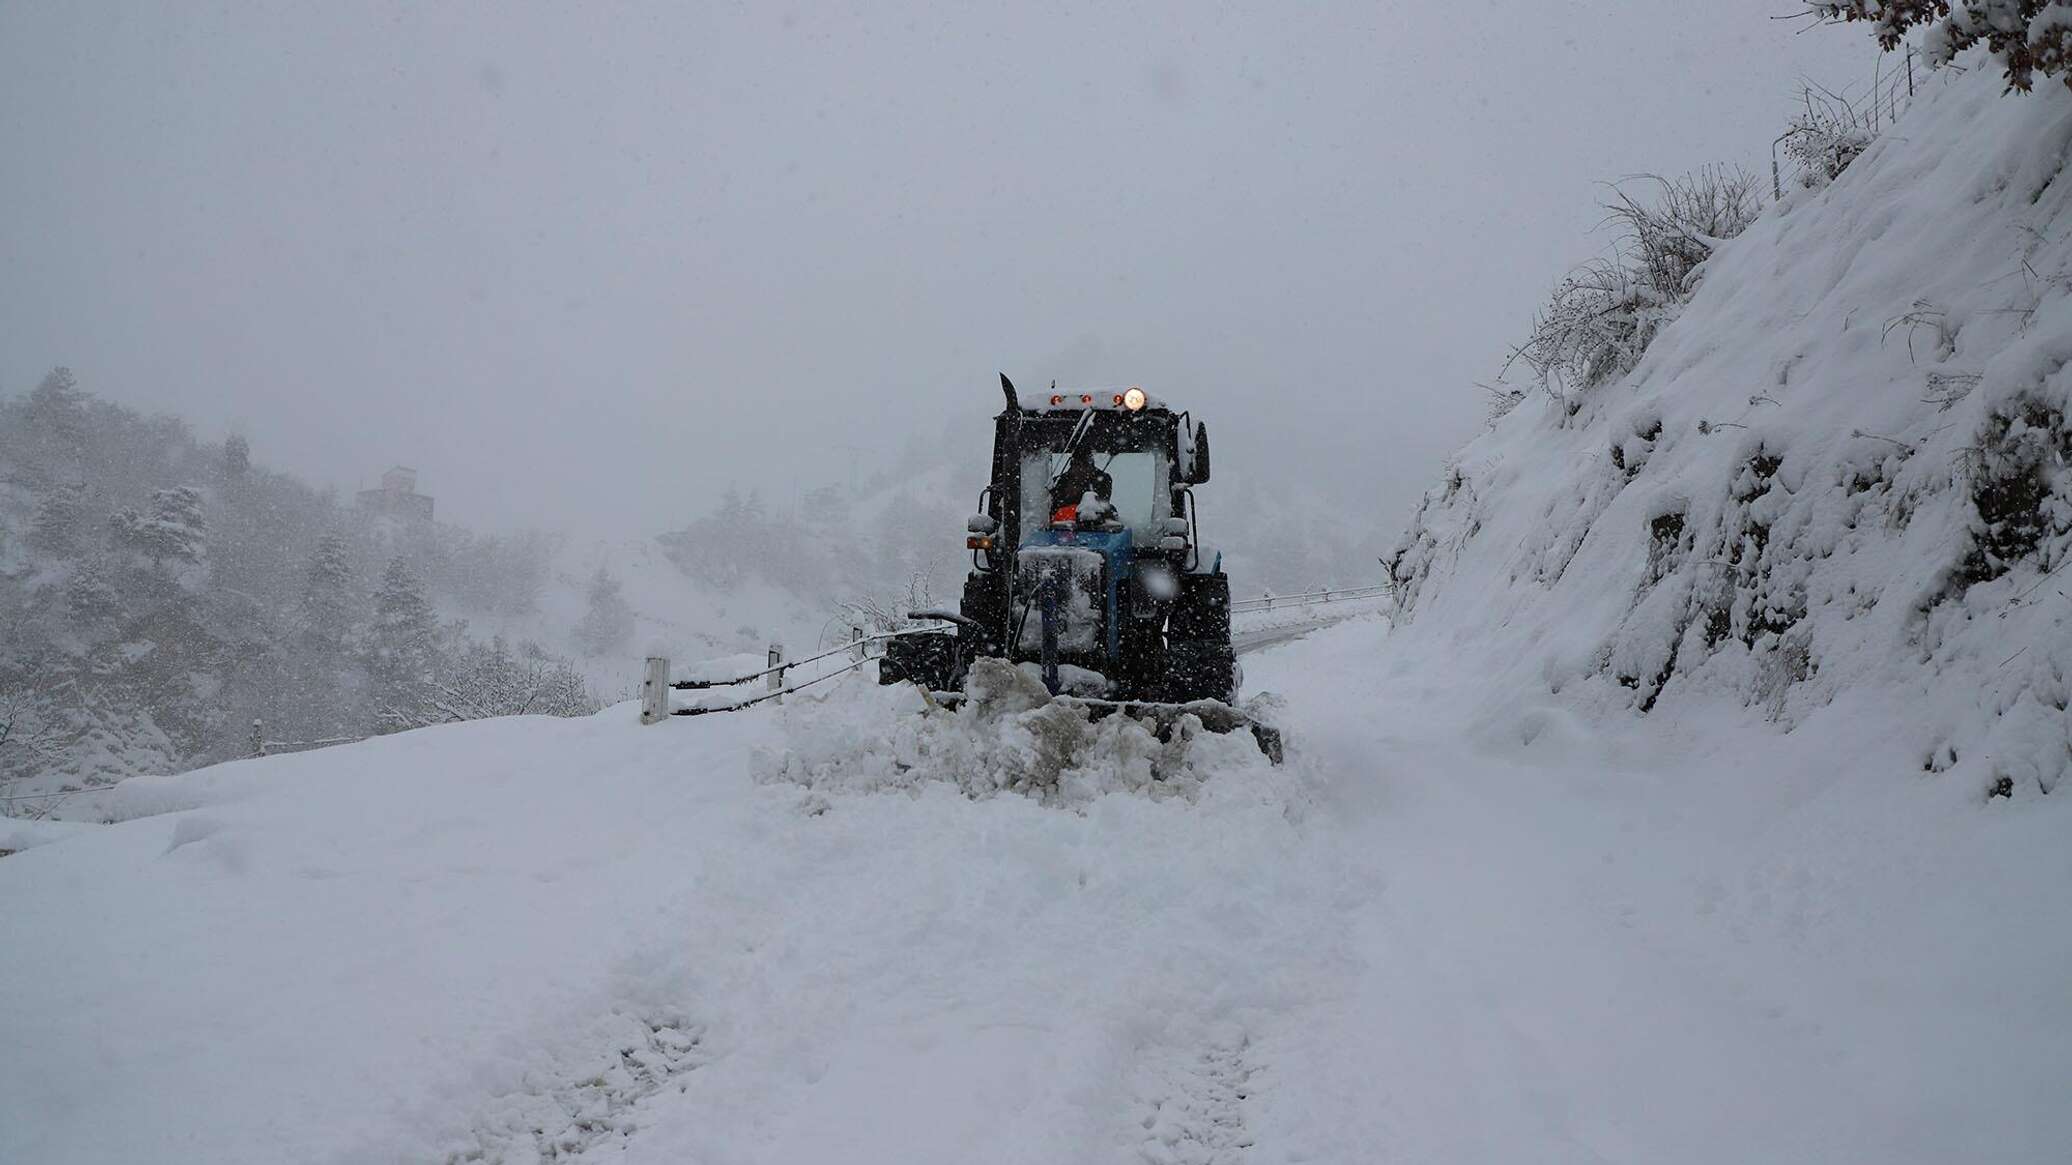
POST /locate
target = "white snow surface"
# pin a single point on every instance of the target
(1436, 934)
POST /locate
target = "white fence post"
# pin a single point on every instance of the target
(654, 691)
(777, 674)
(856, 644)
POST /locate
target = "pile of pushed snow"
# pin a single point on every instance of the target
(1845, 465)
(1007, 736)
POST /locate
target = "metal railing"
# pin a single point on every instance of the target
(256, 745)
(1273, 602)
(655, 684)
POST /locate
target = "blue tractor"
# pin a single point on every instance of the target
(1087, 562)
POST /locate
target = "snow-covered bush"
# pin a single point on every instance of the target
(891, 611)
(32, 736)
(1826, 135)
(491, 679)
(1604, 314)
(2025, 37)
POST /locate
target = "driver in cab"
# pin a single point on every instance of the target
(1069, 498)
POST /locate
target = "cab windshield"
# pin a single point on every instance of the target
(1141, 482)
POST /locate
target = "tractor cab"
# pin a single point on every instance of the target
(1099, 469)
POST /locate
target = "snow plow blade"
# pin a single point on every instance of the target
(1214, 716)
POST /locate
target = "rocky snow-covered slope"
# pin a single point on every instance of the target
(1844, 466)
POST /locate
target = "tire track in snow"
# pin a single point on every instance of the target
(1190, 1101)
(561, 1117)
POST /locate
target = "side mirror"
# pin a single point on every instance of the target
(981, 524)
(1201, 455)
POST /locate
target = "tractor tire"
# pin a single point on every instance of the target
(1142, 671)
(1202, 611)
(1200, 670)
(1200, 663)
(985, 605)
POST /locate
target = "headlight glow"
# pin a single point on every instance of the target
(1133, 399)
(1159, 583)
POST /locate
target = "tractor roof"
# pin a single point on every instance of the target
(1073, 400)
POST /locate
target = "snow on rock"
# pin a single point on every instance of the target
(1845, 465)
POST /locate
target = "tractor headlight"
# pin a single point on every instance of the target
(1133, 399)
(1160, 584)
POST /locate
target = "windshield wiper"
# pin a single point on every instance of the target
(1079, 432)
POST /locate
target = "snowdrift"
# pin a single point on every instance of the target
(1844, 467)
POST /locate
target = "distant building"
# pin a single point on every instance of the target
(398, 496)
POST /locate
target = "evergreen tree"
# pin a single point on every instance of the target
(178, 527)
(330, 604)
(403, 642)
(176, 532)
(90, 598)
(59, 526)
(608, 622)
(237, 457)
(57, 405)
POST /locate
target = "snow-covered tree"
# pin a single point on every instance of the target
(59, 526)
(32, 737)
(143, 669)
(90, 598)
(402, 642)
(330, 598)
(57, 405)
(492, 680)
(175, 532)
(2025, 37)
(608, 621)
(237, 457)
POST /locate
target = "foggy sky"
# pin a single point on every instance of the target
(583, 266)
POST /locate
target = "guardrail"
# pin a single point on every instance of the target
(655, 684)
(1271, 602)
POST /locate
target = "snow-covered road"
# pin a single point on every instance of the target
(1437, 934)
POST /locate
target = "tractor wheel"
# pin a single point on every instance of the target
(1142, 671)
(1200, 670)
(985, 604)
(1200, 663)
(1202, 611)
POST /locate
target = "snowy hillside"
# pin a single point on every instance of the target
(1843, 470)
